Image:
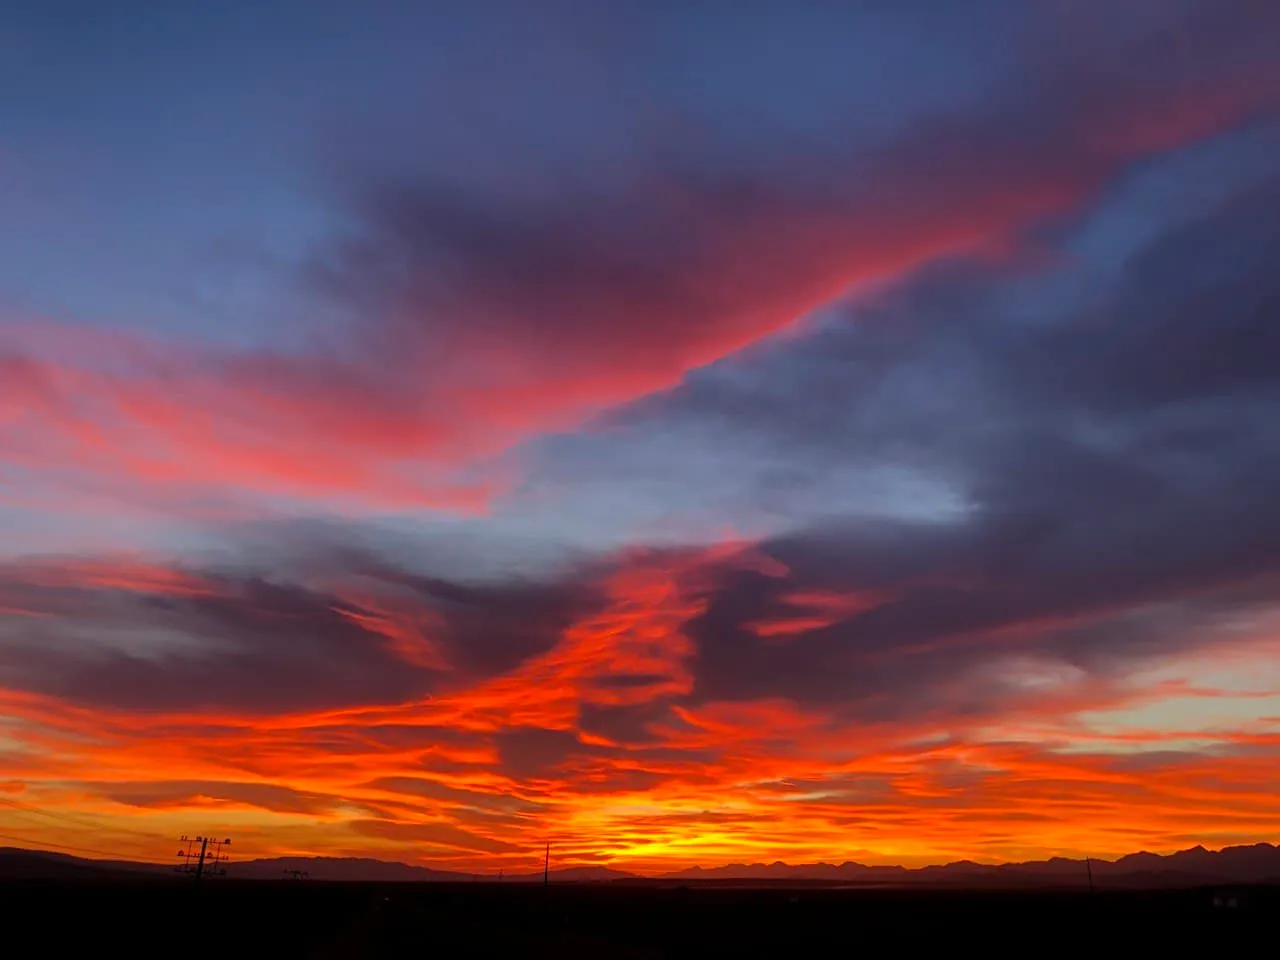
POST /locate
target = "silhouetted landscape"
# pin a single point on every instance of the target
(1224, 901)
(1256, 863)
(143, 915)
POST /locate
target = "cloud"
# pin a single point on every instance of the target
(430, 835)
(564, 301)
(203, 420)
(1114, 464)
(858, 734)
(1110, 453)
(482, 314)
(185, 794)
(1017, 474)
(141, 636)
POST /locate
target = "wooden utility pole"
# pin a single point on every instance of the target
(208, 856)
(546, 867)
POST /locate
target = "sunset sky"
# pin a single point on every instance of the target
(680, 433)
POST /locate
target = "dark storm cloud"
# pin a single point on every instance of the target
(434, 836)
(488, 626)
(529, 752)
(264, 646)
(543, 216)
(937, 369)
(180, 793)
(236, 640)
(688, 233)
(1118, 465)
(434, 790)
(1194, 319)
(626, 725)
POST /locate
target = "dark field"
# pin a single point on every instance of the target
(241, 918)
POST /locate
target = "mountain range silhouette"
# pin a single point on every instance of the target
(1256, 863)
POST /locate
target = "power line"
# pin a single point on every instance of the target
(206, 858)
(215, 854)
(68, 818)
(40, 844)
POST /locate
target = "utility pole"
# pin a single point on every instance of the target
(1088, 865)
(546, 867)
(208, 856)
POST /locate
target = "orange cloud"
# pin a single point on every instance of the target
(597, 746)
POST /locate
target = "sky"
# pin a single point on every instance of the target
(678, 433)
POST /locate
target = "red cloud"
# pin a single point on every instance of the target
(122, 573)
(815, 609)
(199, 421)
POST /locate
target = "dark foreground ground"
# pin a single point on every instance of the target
(231, 919)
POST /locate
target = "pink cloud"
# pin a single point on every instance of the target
(537, 318)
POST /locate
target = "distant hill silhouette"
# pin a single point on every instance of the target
(1259, 863)
(340, 868)
(382, 871)
(18, 864)
(579, 875)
